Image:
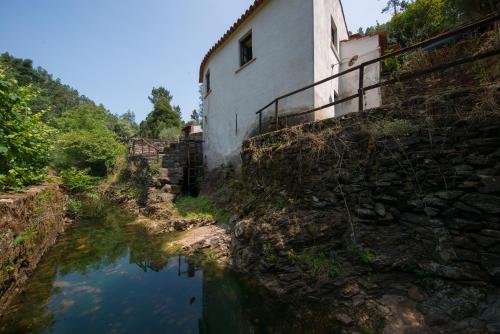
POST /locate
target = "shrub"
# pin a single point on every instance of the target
(77, 181)
(97, 150)
(24, 139)
(171, 133)
(200, 207)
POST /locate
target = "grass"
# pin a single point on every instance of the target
(318, 262)
(200, 208)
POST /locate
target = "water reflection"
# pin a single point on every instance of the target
(107, 275)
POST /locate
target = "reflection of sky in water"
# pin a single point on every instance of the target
(123, 297)
(108, 275)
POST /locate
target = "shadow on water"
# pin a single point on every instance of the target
(107, 275)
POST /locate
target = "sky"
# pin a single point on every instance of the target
(116, 51)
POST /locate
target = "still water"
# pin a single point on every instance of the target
(107, 275)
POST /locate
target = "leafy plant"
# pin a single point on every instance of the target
(77, 181)
(25, 141)
(97, 150)
(74, 208)
(25, 236)
(320, 263)
(200, 207)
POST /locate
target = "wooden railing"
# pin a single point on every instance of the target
(493, 18)
(142, 147)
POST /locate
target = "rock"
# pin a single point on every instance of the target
(415, 294)
(165, 197)
(358, 300)
(434, 201)
(350, 290)
(449, 195)
(463, 207)
(484, 241)
(365, 213)
(490, 184)
(462, 271)
(491, 233)
(414, 219)
(491, 262)
(487, 203)
(242, 229)
(344, 319)
(380, 209)
(465, 225)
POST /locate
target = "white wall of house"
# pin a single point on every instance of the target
(283, 44)
(364, 49)
(326, 54)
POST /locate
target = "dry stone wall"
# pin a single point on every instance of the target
(29, 224)
(408, 196)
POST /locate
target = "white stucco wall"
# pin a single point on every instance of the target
(366, 48)
(282, 32)
(326, 56)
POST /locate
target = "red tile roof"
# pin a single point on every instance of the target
(253, 8)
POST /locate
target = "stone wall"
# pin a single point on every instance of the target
(395, 206)
(29, 224)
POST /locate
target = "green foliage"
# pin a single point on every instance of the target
(88, 136)
(364, 255)
(77, 181)
(25, 141)
(163, 117)
(74, 208)
(200, 207)
(421, 20)
(395, 128)
(320, 263)
(97, 150)
(418, 20)
(29, 233)
(169, 133)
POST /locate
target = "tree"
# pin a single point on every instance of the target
(396, 6)
(195, 117)
(164, 116)
(25, 141)
(160, 93)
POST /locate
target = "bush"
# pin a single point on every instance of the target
(77, 181)
(169, 133)
(24, 139)
(97, 150)
(200, 207)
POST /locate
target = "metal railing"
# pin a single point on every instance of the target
(361, 68)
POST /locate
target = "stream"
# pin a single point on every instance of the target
(106, 274)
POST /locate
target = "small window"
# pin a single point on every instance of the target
(335, 96)
(207, 83)
(335, 37)
(246, 52)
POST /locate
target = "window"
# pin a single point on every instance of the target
(207, 83)
(246, 53)
(335, 38)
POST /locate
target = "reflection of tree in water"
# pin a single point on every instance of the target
(89, 245)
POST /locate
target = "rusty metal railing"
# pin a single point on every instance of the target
(361, 68)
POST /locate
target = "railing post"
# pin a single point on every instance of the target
(276, 114)
(260, 122)
(361, 91)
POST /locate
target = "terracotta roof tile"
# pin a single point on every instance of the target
(228, 33)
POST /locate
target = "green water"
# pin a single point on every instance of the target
(107, 275)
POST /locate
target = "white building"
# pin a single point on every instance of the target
(276, 47)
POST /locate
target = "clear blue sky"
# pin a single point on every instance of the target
(115, 51)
